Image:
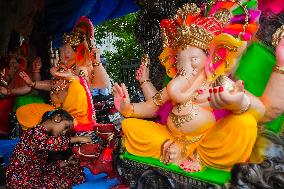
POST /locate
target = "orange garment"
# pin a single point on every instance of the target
(228, 142)
(75, 103)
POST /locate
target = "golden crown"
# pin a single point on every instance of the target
(190, 29)
(73, 39)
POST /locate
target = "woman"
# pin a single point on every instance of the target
(29, 166)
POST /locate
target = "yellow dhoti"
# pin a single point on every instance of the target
(228, 142)
(75, 103)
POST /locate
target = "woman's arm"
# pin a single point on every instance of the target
(41, 85)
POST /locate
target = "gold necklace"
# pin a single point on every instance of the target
(194, 97)
(179, 120)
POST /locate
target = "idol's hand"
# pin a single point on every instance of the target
(121, 99)
(142, 73)
(26, 78)
(60, 72)
(235, 100)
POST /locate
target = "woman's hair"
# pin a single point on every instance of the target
(50, 114)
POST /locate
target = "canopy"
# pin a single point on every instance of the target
(62, 15)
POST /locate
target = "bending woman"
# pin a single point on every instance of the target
(29, 167)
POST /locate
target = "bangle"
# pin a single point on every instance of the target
(129, 114)
(82, 73)
(144, 81)
(157, 99)
(277, 36)
(246, 108)
(96, 63)
(33, 84)
(278, 69)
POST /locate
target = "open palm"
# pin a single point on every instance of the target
(121, 98)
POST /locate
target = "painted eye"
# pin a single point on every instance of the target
(195, 62)
(194, 59)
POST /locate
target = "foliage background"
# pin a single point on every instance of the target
(125, 44)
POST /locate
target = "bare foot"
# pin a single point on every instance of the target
(191, 165)
(171, 152)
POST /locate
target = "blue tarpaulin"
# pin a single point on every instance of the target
(62, 15)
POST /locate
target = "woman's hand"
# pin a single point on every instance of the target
(37, 64)
(121, 99)
(236, 101)
(142, 73)
(26, 78)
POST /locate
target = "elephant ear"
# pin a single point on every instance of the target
(168, 60)
(225, 51)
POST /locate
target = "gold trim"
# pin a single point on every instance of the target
(278, 69)
(277, 36)
(144, 81)
(179, 120)
(157, 98)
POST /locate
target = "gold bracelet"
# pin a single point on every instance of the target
(278, 69)
(82, 73)
(33, 84)
(96, 63)
(277, 36)
(157, 99)
(129, 114)
(246, 108)
(144, 81)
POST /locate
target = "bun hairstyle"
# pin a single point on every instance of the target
(50, 114)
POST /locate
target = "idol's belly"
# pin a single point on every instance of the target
(195, 122)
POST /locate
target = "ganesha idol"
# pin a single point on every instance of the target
(207, 118)
(78, 71)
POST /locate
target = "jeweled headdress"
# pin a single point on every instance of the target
(73, 39)
(83, 30)
(220, 29)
